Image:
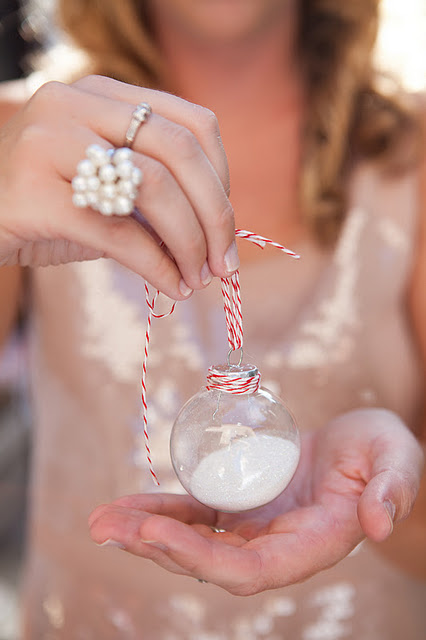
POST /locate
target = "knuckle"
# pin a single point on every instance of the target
(207, 129)
(193, 567)
(31, 139)
(408, 485)
(50, 93)
(157, 175)
(254, 581)
(195, 243)
(92, 82)
(225, 217)
(162, 267)
(207, 121)
(117, 231)
(184, 140)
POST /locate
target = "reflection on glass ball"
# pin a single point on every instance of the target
(235, 452)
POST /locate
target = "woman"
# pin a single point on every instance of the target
(280, 75)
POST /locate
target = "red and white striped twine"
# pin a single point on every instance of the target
(231, 293)
(230, 383)
(261, 242)
(150, 301)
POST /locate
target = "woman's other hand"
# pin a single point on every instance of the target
(183, 197)
(357, 477)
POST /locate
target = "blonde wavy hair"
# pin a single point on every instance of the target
(348, 118)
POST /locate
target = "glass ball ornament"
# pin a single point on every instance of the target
(234, 451)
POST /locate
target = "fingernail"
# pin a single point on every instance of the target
(157, 545)
(390, 510)
(111, 543)
(206, 275)
(232, 261)
(184, 289)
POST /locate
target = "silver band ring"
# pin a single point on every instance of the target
(139, 116)
(107, 180)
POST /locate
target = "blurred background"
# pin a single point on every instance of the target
(12, 46)
(400, 51)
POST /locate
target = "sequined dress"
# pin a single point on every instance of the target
(329, 333)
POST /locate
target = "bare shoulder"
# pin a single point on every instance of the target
(13, 95)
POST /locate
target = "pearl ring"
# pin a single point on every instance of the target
(107, 180)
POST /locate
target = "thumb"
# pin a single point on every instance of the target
(392, 489)
(386, 499)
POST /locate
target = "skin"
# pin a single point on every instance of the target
(181, 156)
(221, 22)
(348, 479)
(360, 473)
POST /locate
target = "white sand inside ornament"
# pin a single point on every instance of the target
(248, 473)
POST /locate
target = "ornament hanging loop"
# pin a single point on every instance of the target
(234, 323)
(231, 351)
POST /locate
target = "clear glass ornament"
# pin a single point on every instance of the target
(234, 451)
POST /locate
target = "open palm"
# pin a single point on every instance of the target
(356, 476)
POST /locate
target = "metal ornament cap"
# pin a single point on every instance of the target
(235, 370)
(234, 378)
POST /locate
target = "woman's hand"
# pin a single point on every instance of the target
(357, 476)
(183, 197)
